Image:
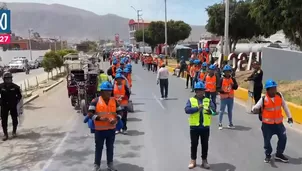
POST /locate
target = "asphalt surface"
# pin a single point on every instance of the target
(20, 76)
(54, 137)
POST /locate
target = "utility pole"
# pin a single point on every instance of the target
(166, 33)
(143, 34)
(226, 29)
(29, 43)
(138, 17)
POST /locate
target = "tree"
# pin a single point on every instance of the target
(148, 38)
(275, 15)
(177, 31)
(242, 24)
(58, 61)
(48, 62)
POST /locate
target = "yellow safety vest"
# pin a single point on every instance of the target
(194, 119)
(101, 78)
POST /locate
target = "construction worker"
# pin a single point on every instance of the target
(127, 74)
(272, 120)
(10, 97)
(105, 111)
(211, 80)
(126, 82)
(161, 60)
(189, 78)
(226, 87)
(203, 71)
(200, 55)
(121, 93)
(199, 108)
(149, 62)
(102, 77)
(155, 64)
(112, 70)
(194, 70)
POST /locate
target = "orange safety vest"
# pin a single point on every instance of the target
(129, 78)
(120, 95)
(202, 75)
(161, 62)
(155, 61)
(271, 112)
(210, 83)
(200, 57)
(226, 87)
(189, 69)
(105, 111)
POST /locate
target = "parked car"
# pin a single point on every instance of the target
(33, 64)
(39, 61)
(17, 65)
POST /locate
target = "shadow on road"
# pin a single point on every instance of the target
(241, 128)
(222, 166)
(29, 148)
(138, 103)
(73, 157)
(123, 142)
(138, 111)
(134, 120)
(134, 133)
(128, 167)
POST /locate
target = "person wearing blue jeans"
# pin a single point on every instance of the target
(226, 87)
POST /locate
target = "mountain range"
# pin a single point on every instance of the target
(72, 24)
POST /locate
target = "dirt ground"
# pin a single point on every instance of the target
(291, 90)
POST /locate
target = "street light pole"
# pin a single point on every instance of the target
(166, 33)
(226, 28)
(29, 43)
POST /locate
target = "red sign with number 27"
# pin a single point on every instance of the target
(5, 38)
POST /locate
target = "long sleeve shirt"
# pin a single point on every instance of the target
(190, 110)
(162, 73)
(257, 76)
(259, 105)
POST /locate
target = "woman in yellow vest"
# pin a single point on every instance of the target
(105, 111)
(200, 110)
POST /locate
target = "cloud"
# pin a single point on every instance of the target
(190, 11)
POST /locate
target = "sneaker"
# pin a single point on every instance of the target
(124, 131)
(192, 164)
(111, 167)
(161, 98)
(14, 135)
(166, 98)
(205, 164)
(220, 126)
(117, 132)
(5, 138)
(267, 159)
(96, 167)
(281, 157)
(231, 126)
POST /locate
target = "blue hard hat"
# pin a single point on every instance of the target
(200, 50)
(196, 61)
(199, 86)
(129, 66)
(270, 83)
(227, 68)
(118, 75)
(207, 49)
(106, 86)
(119, 70)
(212, 67)
(182, 57)
(161, 56)
(204, 64)
(191, 61)
(126, 70)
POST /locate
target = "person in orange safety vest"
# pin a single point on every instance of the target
(211, 80)
(272, 120)
(226, 87)
(202, 73)
(194, 71)
(122, 93)
(105, 111)
(155, 64)
(189, 78)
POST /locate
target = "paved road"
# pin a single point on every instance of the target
(158, 138)
(20, 76)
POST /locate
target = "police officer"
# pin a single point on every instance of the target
(10, 97)
(256, 76)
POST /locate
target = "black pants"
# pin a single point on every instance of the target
(104, 58)
(163, 84)
(125, 118)
(143, 64)
(149, 67)
(181, 72)
(154, 68)
(204, 135)
(257, 93)
(189, 78)
(4, 118)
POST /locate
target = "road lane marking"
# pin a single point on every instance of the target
(158, 101)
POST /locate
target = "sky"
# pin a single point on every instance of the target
(190, 11)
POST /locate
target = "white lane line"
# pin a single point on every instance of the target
(139, 78)
(60, 145)
(158, 101)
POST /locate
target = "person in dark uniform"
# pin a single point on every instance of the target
(256, 76)
(10, 97)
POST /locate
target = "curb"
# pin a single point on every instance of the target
(52, 86)
(31, 99)
(242, 94)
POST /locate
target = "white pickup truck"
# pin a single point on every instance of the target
(17, 65)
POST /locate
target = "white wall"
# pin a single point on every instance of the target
(8, 55)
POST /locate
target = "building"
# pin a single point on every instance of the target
(133, 26)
